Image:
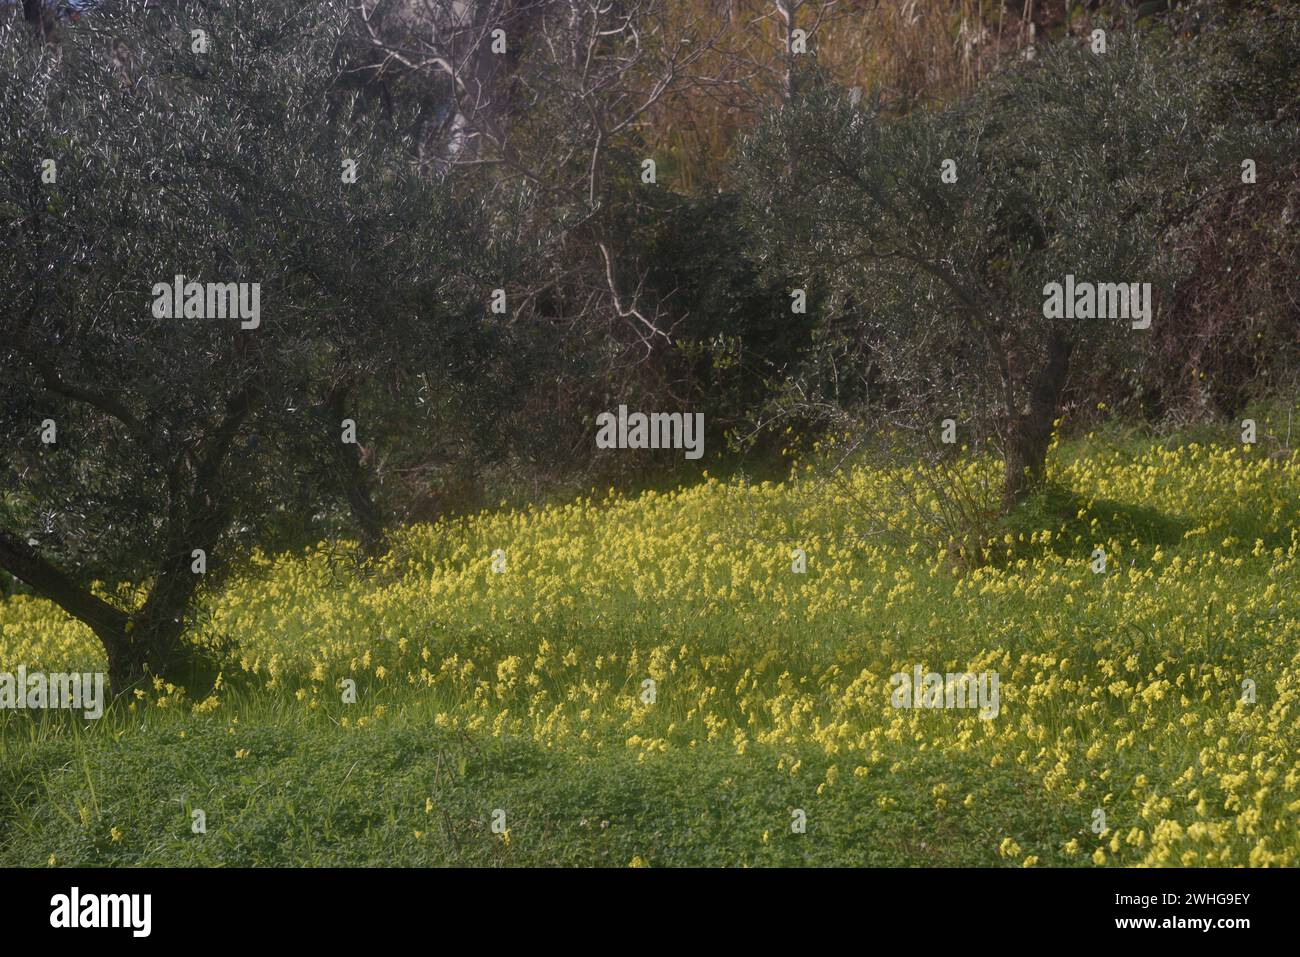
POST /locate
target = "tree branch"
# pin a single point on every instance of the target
(22, 561)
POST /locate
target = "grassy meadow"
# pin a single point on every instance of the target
(518, 696)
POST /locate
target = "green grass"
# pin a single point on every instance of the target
(519, 692)
(314, 797)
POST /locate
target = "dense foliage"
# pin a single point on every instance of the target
(468, 246)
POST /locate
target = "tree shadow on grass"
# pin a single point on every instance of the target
(1069, 516)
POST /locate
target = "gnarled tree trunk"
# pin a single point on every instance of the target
(148, 643)
(141, 650)
(1030, 431)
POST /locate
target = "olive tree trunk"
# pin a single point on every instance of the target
(1030, 431)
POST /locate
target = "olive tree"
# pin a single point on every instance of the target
(148, 439)
(935, 238)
